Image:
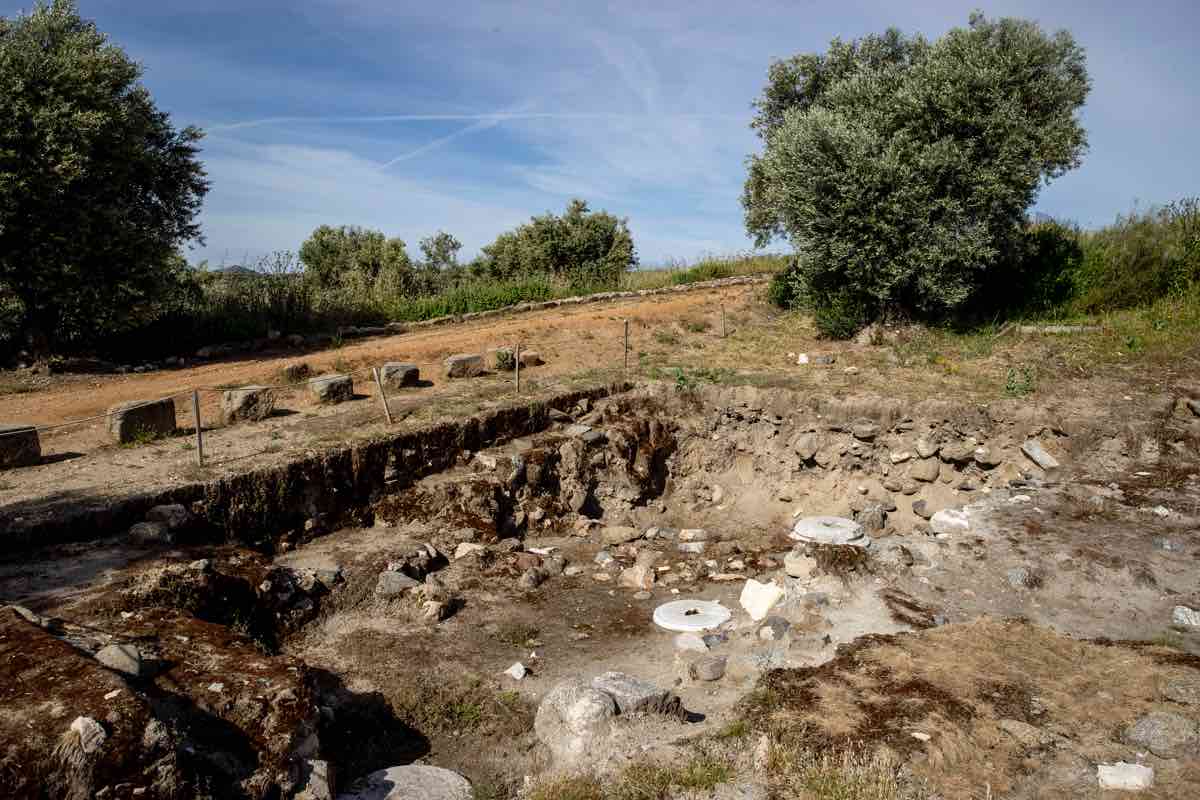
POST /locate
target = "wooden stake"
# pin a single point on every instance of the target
(387, 412)
(199, 427)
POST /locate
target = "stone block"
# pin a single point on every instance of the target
(397, 376)
(531, 358)
(247, 403)
(129, 422)
(19, 446)
(331, 388)
(464, 365)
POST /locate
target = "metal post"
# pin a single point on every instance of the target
(626, 347)
(387, 412)
(517, 366)
(199, 427)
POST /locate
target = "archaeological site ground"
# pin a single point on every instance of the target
(915, 565)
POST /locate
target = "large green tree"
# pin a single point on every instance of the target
(901, 169)
(97, 189)
(589, 248)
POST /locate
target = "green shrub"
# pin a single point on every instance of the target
(901, 168)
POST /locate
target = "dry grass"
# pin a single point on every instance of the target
(849, 775)
(641, 780)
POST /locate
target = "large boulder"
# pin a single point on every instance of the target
(247, 403)
(531, 358)
(19, 446)
(395, 375)
(141, 420)
(1165, 734)
(412, 782)
(331, 388)
(572, 718)
(633, 695)
(464, 365)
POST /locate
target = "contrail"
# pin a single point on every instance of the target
(479, 125)
(496, 117)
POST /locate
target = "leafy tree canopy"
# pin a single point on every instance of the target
(334, 257)
(901, 169)
(97, 188)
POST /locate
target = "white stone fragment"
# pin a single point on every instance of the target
(759, 598)
(949, 521)
(1125, 777)
(517, 671)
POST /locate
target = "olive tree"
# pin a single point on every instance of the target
(901, 169)
(356, 259)
(97, 189)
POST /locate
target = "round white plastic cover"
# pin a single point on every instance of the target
(828, 530)
(691, 616)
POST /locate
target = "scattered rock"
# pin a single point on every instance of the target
(412, 782)
(1038, 455)
(633, 695)
(925, 470)
(921, 509)
(393, 584)
(759, 598)
(865, 431)
(692, 548)
(395, 375)
(138, 420)
(532, 578)
(899, 458)
(957, 452)
(619, 534)
(773, 629)
(986, 458)
(331, 388)
(1021, 578)
(150, 533)
(799, 565)
(247, 403)
(91, 734)
(517, 671)
(806, 446)
(316, 780)
(123, 658)
(571, 717)
(709, 668)
(950, 521)
(603, 558)
(174, 516)
(1125, 777)
(464, 365)
(1166, 734)
(639, 576)
(465, 549)
(1186, 617)
(531, 358)
(693, 535)
(925, 448)
(295, 373)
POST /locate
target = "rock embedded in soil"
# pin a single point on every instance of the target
(395, 375)
(1037, 453)
(150, 533)
(464, 365)
(91, 734)
(123, 658)
(799, 565)
(294, 373)
(141, 419)
(921, 509)
(1124, 777)
(173, 515)
(774, 629)
(925, 448)
(709, 668)
(1185, 617)
(759, 598)
(950, 521)
(631, 695)
(412, 782)
(1184, 690)
(925, 470)
(1166, 734)
(393, 584)
(619, 534)
(531, 358)
(693, 548)
(331, 388)
(639, 576)
(247, 403)
(829, 530)
(19, 446)
(572, 717)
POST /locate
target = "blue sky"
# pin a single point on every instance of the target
(411, 117)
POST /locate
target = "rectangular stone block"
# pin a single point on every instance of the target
(332, 388)
(247, 403)
(396, 376)
(141, 419)
(19, 446)
(464, 365)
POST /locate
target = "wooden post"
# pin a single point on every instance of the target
(387, 412)
(517, 366)
(199, 427)
(626, 347)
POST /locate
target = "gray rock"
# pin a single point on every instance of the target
(692, 548)
(295, 373)
(1184, 690)
(603, 558)
(925, 448)
(1185, 617)
(872, 518)
(251, 403)
(925, 470)
(639, 576)
(393, 584)
(331, 388)
(1020, 578)
(91, 734)
(619, 534)
(709, 668)
(572, 717)
(950, 521)
(593, 438)
(123, 658)
(412, 782)
(173, 515)
(532, 578)
(19, 446)
(139, 419)
(1038, 455)
(464, 365)
(531, 358)
(987, 458)
(806, 446)
(1165, 734)
(921, 509)
(395, 375)
(150, 533)
(631, 694)
(957, 452)
(774, 628)
(866, 431)
(316, 780)
(799, 565)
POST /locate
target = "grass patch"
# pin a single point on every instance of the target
(845, 776)
(640, 781)
(516, 634)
